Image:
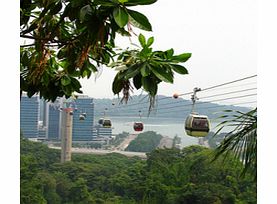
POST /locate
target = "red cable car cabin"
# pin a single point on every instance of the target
(138, 126)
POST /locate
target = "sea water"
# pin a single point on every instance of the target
(165, 126)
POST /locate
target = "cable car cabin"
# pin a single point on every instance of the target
(138, 126)
(100, 121)
(197, 125)
(81, 117)
(107, 123)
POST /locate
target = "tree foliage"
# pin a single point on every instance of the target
(242, 140)
(145, 142)
(167, 176)
(71, 39)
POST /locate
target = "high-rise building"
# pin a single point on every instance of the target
(53, 120)
(104, 132)
(29, 116)
(83, 119)
(41, 119)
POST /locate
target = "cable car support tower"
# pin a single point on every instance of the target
(194, 98)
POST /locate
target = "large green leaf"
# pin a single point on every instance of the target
(132, 71)
(123, 1)
(65, 80)
(86, 10)
(179, 69)
(137, 81)
(139, 2)
(117, 84)
(145, 70)
(149, 85)
(161, 73)
(139, 20)
(120, 16)
(169, 53)
(108, 3)
(56, 8)
(182, 57)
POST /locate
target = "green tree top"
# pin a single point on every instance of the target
(70, 39)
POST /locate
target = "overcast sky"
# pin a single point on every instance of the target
(220, 34)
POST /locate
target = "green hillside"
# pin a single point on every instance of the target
(169, 176)
(165, 107)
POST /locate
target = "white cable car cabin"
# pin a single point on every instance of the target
(197, 125)
(107, 123)
(138, 126)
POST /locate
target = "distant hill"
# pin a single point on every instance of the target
(165, 107)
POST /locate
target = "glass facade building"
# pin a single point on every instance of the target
(83, 129)
(41, 119)
(53, 121)
(29, 116)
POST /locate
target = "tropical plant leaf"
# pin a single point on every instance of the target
(107, 3)
(241, 141)
(161, 73)
(139, 20)
(132, 71)
(150, 41)
(120, 16)
(139, 2)
(142, 40)
(86, 10)
(182, 57)
(145, 70)
(137, 81)
(65, 80)
(179, 69)
(117, 84)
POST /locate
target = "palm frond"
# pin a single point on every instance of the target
(241, 141)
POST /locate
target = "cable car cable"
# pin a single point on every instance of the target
(205, 89)
(209, 107)
(199, 103)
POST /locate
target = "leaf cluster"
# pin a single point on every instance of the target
(242, 140)
(70, 39)
(146, 68)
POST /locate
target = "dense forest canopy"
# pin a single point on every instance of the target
(145, 142)
(167, 176)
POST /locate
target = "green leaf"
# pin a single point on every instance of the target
(146, 83)
(123, 1)
(76, 84)
(150, 41)
(182, 57)
(169, 53)
(142, 40)
(137, 81)
(145, 70)
(139, 20)
(86, 10)
(179, 69)
(55, 9)
(65, 80)
(132, 71)
(120, 16)
(117, 84)
(161, 73)
(139, 2)
(105, 3)
(149, 85)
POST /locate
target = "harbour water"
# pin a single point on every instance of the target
(165, 126)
